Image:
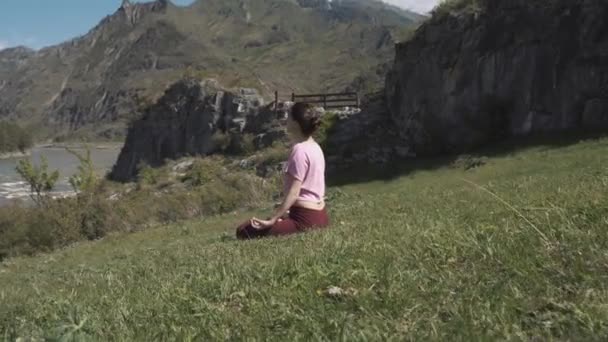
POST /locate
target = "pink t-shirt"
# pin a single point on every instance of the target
(307, 164)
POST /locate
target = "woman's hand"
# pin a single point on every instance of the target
(262, 224)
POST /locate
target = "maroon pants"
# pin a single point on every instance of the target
(299, 220)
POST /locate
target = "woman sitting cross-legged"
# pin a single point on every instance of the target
(303, 207)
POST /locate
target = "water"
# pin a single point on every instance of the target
(12, 187)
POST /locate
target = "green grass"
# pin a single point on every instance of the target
(424, 256)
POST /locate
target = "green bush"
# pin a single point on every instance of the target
(209, 187)
(27, 230)
(85, 180)
(204, 171)
(147, 175)
(13, 138)
(277, 153)
(220, 141)
(40, 180)
(241, 144)
(328, 122)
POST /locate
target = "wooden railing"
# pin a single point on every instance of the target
(328, 101)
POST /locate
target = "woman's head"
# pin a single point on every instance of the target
(303, 120)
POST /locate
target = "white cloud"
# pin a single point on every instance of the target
(420, 6)
(3, 45)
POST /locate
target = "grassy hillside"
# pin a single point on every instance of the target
(512, 249)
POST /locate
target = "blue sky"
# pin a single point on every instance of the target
(39, 23)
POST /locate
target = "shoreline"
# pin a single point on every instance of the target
(75, 146)
(19, 154)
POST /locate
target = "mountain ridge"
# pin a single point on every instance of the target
(95, 83)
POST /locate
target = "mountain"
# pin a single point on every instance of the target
(96, 83)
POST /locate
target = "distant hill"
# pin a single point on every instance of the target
(95, 84)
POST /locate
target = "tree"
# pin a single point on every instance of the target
(39, 179)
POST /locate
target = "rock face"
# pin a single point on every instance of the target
(14, 58)
(365, 136)
(506, 68)
(187, 120)
(134, 12)
(324, 4)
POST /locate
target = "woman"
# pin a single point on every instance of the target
(303, 207)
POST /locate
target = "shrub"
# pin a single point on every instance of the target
(85, 180)
(328, 122)
(469, 162)
(241, 144)
(14, 138)
(275, 154)
(220, 141)
(209, 187)
(204, 171)
(38, 178)
(147, 175)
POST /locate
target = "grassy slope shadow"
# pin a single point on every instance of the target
(365, 172)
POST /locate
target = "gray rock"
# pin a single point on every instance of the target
(245, 164)
(402, 152)
(135, 11)
(466, 79)
(363, 136)
(267, 139)
(183, 122)
(183, 166)
(595, 114)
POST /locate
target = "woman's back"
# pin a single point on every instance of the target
(307, 164)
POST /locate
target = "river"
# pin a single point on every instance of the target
(12, 186)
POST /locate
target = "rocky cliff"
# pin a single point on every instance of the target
(97, 83)
(195, 118)
(488, 69)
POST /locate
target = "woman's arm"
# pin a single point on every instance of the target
(290, 198)
(297, 167)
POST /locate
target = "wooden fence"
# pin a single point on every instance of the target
(328, 101)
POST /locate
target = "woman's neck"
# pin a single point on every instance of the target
(302, 139)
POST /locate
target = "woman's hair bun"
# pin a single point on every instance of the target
(307, 116)
(315, 119)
